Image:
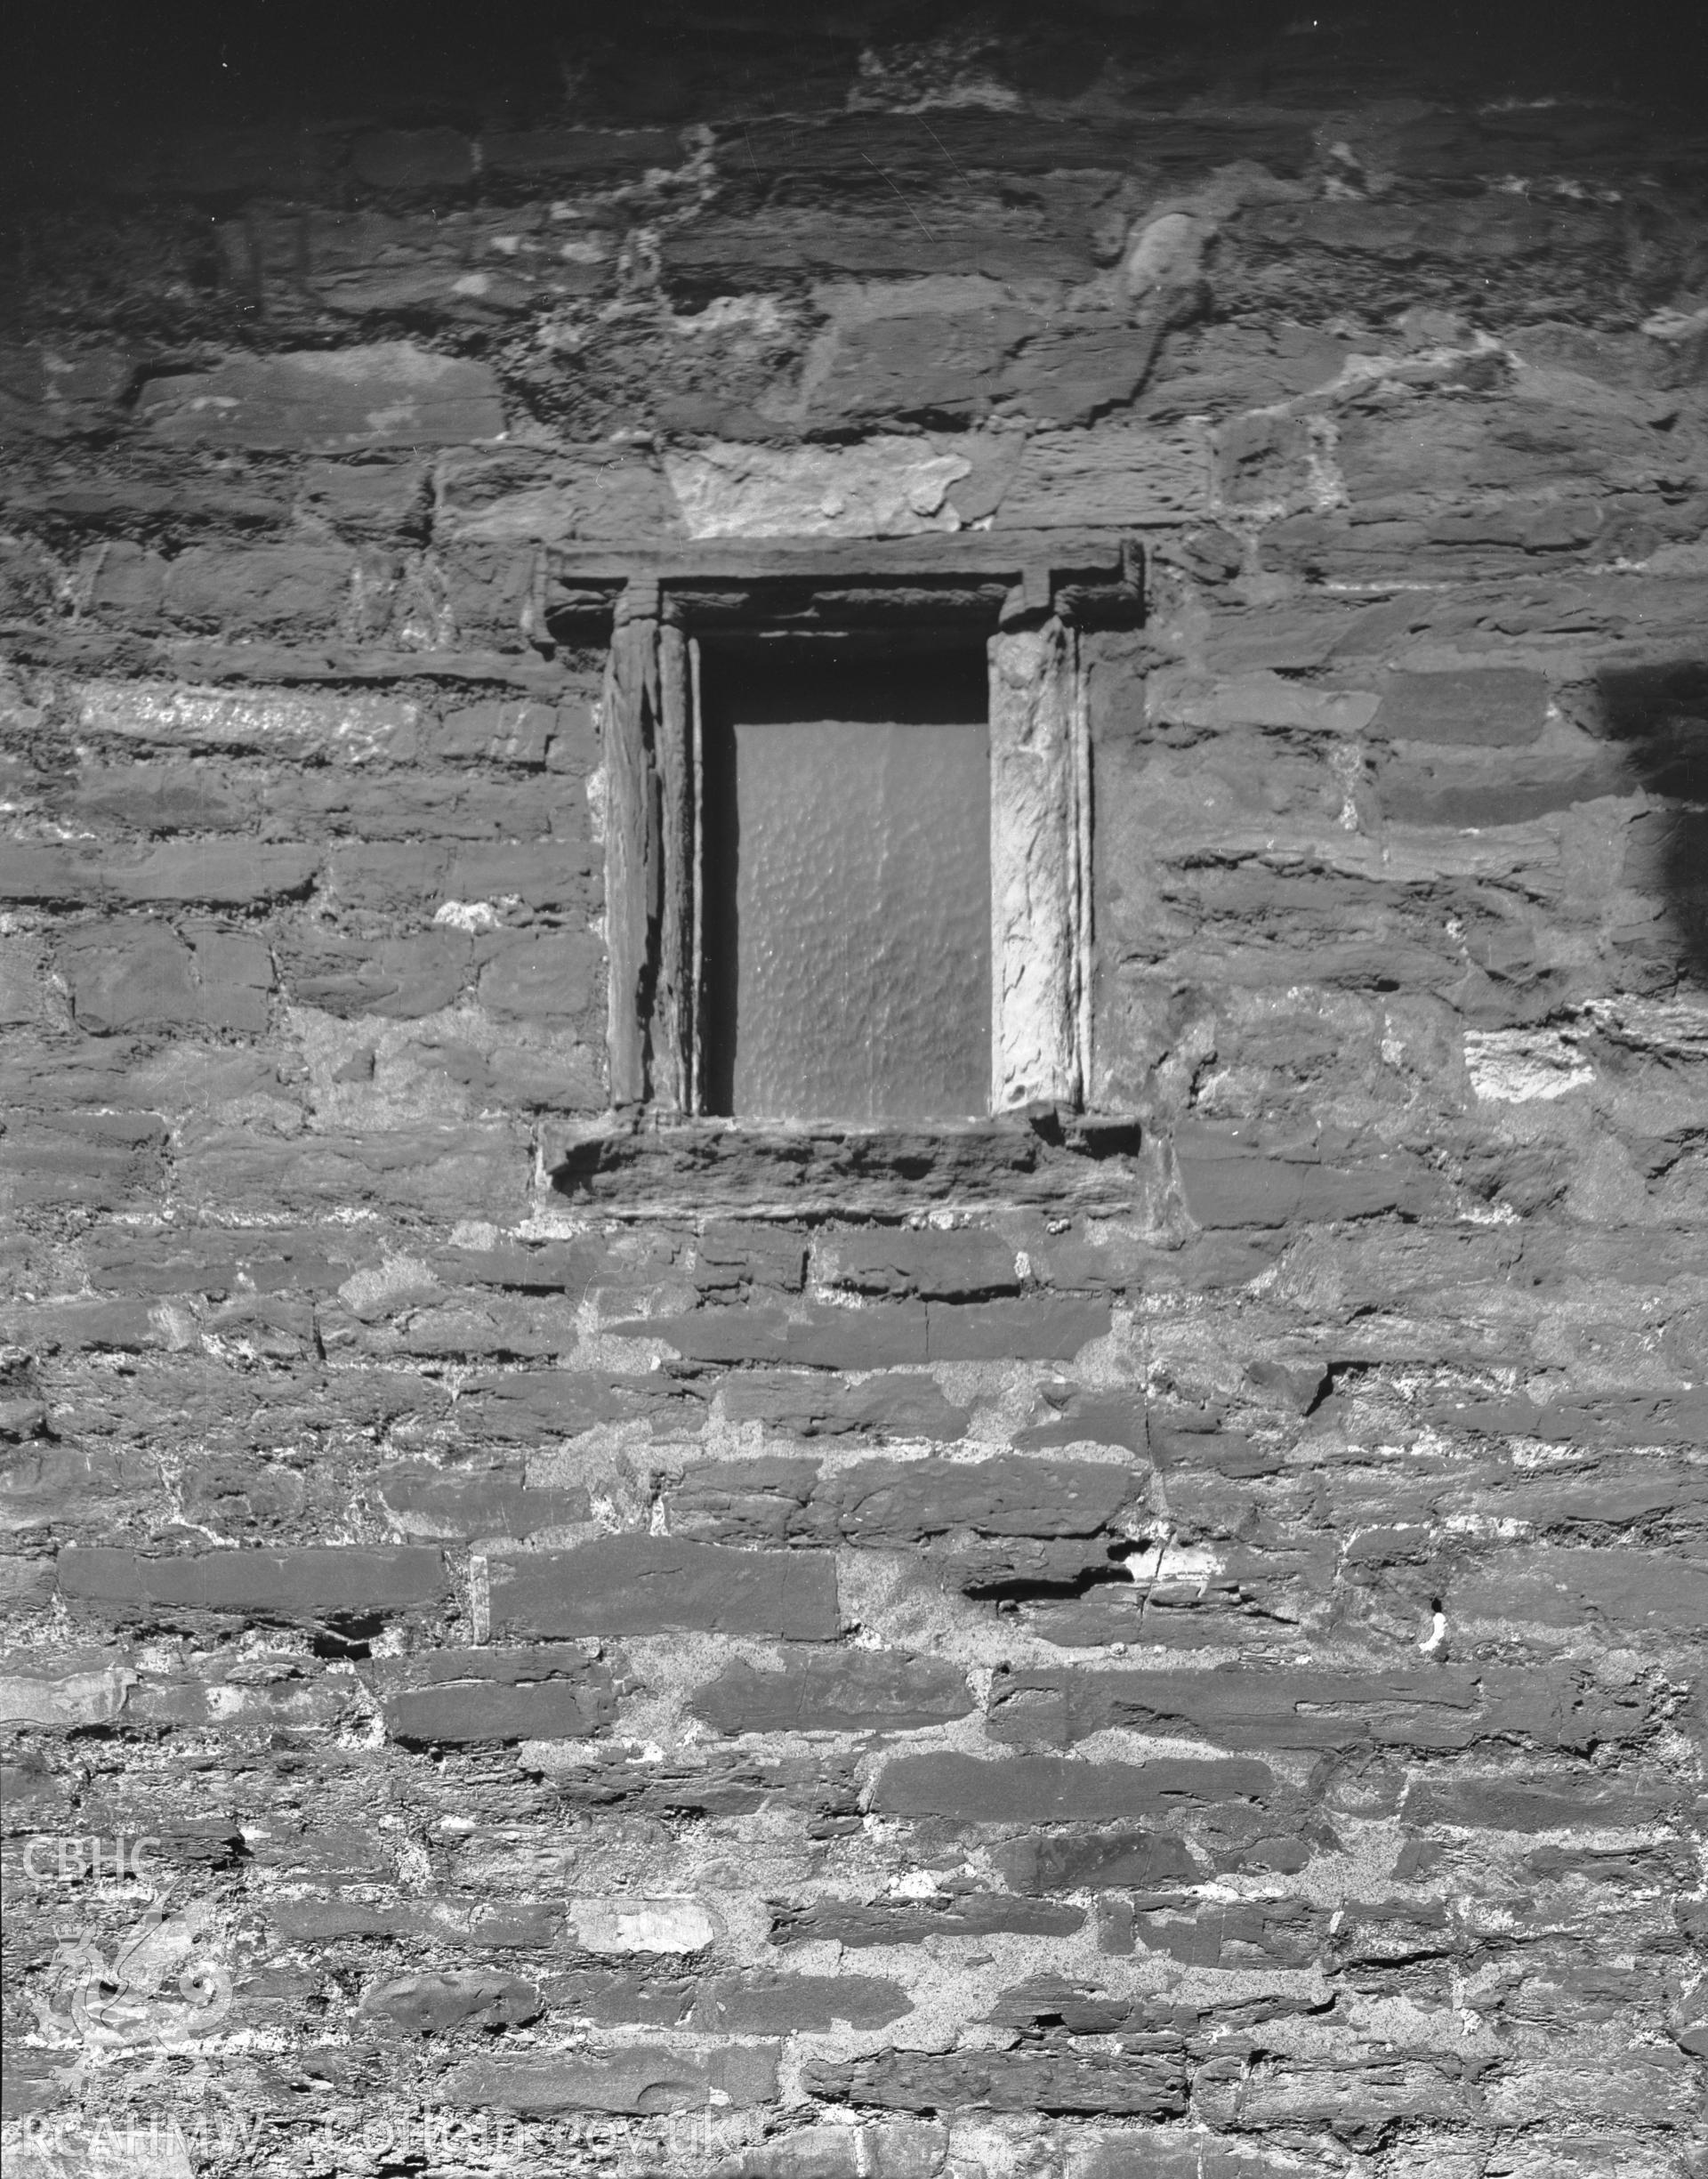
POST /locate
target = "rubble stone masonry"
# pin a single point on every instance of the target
(1162, 1644)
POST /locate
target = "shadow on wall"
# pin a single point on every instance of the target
(1659, 712)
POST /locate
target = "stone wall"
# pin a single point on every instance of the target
(1161, 1649)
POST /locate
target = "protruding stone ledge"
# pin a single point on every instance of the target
(630, 1165)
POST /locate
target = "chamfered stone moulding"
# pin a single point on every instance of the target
(770, 709)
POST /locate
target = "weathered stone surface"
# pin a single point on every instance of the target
(1145, 2085)
(521, 496)
(1091, 1421)
(331, 1921)
(732, 1257)
(433, 2004)
(422, 1503)
(632, 2077)
(1024, 1330)
(464, 1713)
(856, 1690)
(637, 1583)
(392, 394)
(1647, 1592)
(753, 2003)
(544, 980)
(968, 1265)
(221, 875)
(1228, 1181)
(1515, 1804)
(66, 1700)
(316, 1582)
(766, 1501)
(1121, 474)
(875, 1338)
(676, 1927)
(140, 974)
(1433, 1707)
(289, 723)
(900, 1502)
(1488, 705)
(884, 487)
(960, 1914)
(1104, 1859)
(452, 1169)
(1057, 1789)
(898, 1405)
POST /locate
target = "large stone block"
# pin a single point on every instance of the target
(551, 874)
(968, 1265)
(1041, 1328)
(882, 486)
(104, 1160)
(496, 732)
(433, 2004)
(289, 725)
(963, 364)
(888, 1503)
(1117, 473)
(169, 797)
(424, 1502)
(1150, 2084)
(1228, 1181)
(918, 1921)
(1630, 1592)
(1493, 706)
(268, 589)
(1432, 1706)
(732, 1255)
(855, 1690)
(871, 1338)
(216, 874)
(311, 1583)
(393, 393)
(469, 1713)
(901, 1404)
(1110, 1858)
(140, 974)
(521, 496)
(632, 2077)
(1508, 1803)
(546, 979)
(400, 979)
(1059, 1789)
(645, 1584)
(454, 1171)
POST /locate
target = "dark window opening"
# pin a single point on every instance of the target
(845, 875)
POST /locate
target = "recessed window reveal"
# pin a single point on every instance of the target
(847, 829)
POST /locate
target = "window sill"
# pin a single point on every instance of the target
(656, 1165)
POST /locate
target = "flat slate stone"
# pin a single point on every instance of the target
(644, 1585)
(1057, 1789)
(851, 1691)
(332, 400)
(317, 1581)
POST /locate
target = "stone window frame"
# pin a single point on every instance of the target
(1030, 593)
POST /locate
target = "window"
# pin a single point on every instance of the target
(845, 881)
(848, 822)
